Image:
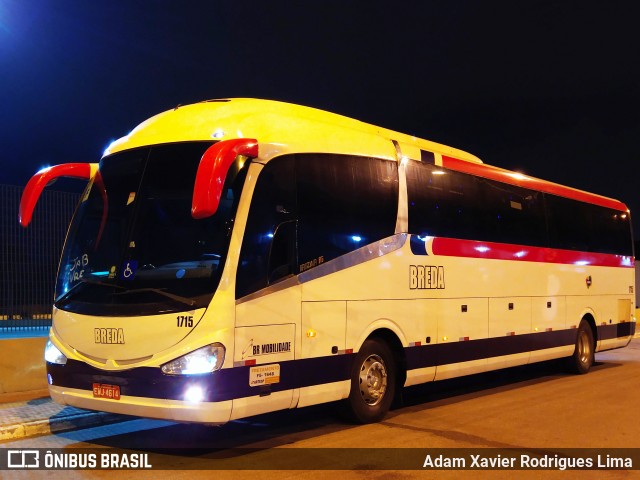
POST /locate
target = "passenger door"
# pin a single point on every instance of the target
(268, 295)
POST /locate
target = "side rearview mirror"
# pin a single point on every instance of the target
(40, 180)
(212, 171)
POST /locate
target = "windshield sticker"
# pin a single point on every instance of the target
(78, 264)
(112, 272)
(129, 269)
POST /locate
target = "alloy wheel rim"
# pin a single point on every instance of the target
(373, 380)
(584, 348)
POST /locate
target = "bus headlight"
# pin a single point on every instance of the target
(204, 360)
(53, 355)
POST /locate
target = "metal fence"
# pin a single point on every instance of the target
(29, 257)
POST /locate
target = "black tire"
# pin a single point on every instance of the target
(373, 382)
(584, 354)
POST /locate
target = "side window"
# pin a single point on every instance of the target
(512, 214)
(611, 231)
(310, 208)
(569, 225)
(443, 202)
(282, 259)
(268, 247)
(457, 205)
(345, 202)
(575, 225)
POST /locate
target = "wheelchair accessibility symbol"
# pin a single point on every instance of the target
(128, 270)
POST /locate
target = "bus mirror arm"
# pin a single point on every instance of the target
(212, 171)
(40, 180)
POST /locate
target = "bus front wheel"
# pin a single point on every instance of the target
(373, 382)
(584, 353)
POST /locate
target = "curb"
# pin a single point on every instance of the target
(56, 425)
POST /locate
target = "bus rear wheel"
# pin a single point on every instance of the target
(373, 382)
(584, 353)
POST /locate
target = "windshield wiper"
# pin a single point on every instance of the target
(184, 300)
(83, 281)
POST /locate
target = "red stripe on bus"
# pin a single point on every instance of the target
(450, 247)
(521, 180)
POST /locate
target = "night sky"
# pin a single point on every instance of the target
(547, 88)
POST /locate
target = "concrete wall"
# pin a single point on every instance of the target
(22, 366)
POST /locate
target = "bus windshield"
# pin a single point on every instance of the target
(133, 247)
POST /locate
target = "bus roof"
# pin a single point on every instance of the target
(301, 129)
(298, 129)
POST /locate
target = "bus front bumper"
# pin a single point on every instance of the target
(214, 413)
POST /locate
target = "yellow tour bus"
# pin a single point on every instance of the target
(235, 257)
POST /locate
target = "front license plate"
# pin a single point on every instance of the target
(101, 390)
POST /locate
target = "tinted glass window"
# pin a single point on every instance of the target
(581, 226)
(310, 208)
(512, 214)
(345, 202)
(443, 202)
(453, 204)
(270, 230)
(133, 247)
